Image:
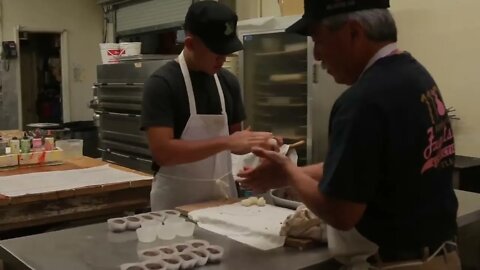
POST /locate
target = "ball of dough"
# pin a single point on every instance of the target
(261, 201)
(246, 202)
(254, 200)
(272, 142)
(250, 201)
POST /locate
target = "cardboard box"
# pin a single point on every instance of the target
(8, 160)
(41, 158)
(291, 7)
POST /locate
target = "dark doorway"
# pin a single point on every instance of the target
(41, 77)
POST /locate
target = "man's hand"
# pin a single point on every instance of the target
(274, 171)
(241, 142)
(274, 144)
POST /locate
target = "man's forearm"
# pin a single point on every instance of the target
(307, 188)
(314, 171)
(337, 213)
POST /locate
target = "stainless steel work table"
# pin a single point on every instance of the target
(93, 247)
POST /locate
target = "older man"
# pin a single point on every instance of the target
(386, 185)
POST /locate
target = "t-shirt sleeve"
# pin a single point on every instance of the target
(238, 111)
(157, 108)
(353, 165)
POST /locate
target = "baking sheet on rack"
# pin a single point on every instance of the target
(42, 182)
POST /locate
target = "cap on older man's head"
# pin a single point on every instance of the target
(317, 10)
(215, 24)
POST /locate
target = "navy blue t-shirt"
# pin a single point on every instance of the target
(391, 147)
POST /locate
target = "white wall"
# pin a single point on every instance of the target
(444, 35)
(247, 9)
(82, 19)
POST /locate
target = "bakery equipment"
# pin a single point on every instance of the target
(117, 109)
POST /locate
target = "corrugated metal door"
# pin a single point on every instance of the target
(151, 15)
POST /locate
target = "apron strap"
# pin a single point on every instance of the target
(188, 84)
(220, 93)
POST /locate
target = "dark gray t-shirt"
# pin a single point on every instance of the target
(165, 99)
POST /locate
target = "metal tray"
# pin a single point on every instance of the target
(276, 195)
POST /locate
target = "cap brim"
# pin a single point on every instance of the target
(226, 46)
(300, 27)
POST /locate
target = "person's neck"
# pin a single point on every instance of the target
(363, 58)
(371, 51)
(190, 60)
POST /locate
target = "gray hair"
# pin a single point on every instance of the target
(378, 23)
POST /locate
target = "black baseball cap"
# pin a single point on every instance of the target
(215, 24)
(317, 10)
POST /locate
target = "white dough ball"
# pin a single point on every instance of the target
(272, 142)
(261, 201)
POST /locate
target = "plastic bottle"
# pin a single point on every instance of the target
(15, 145)
(25, 144)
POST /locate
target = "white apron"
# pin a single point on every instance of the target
(207, 179)
(350, 247)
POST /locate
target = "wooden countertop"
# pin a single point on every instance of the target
(78, 163)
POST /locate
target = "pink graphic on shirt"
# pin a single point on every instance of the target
(440, 135)
(435, 145)
(435, 161)
(440, 106)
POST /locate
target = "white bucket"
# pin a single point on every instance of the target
(110, 52)
(130, 48)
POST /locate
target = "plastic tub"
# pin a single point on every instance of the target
(72, 148)
(110, 52)
(165, 232)
(186, 229)
(88, 132)
(174, 220)
(146, 234)
(130, 48)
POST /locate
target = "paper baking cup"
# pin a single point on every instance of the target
(117, 225)
(215, 253)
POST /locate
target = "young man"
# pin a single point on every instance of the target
(192, 113)
(386, 187)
